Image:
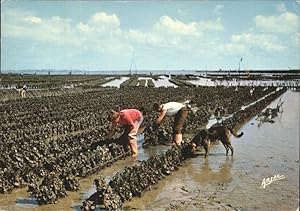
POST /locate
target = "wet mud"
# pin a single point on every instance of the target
(214, 182)
(227, 183)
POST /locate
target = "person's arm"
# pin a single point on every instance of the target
(161, 117)
(112, 130)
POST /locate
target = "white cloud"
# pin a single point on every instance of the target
(84, 27)
(101, 32)
(170, 25)
(136, 36)
(168, 32)
(33, 19)
(103, 18)
(211, 25)
(285, 23)
(262, 41)
(17, 23)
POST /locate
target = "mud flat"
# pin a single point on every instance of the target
(227, 183)
(216, 182)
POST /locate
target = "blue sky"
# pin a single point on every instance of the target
(162, 35)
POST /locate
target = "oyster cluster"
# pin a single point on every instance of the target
(50, 190)
(104, 197)
(66, 172)
(133, 181)
(155, 137)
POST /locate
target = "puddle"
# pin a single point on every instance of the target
(115, 83)
(213, 120)
(163, 81)
(208, 82)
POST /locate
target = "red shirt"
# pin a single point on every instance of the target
(129, 116)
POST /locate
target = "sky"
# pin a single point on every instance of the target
(150, 35)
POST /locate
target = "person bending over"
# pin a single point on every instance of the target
(179, 111)
(132, 120)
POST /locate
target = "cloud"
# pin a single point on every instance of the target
(103, 18)
(21, 24)
(169, 32)
(286, 22)
(101, 32)
(262, 41)
(33, 19)
(170, 25)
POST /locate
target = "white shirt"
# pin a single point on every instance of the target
(172, 108)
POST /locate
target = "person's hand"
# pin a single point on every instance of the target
(155, 126)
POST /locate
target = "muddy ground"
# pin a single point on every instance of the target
(217, 182)
(227, 183)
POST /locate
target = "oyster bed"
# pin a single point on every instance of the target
(48, 143)
(133, 181)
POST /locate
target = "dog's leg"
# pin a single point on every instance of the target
(226, 147)
(205, 146)
(228, 143)
(208, 145)
(231, 148)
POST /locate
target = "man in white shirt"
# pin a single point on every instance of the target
(176, 109)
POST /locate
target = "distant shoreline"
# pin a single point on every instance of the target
(147, 72)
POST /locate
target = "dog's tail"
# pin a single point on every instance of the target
(234, 134)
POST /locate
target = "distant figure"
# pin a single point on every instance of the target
(23, 91)
(19, 89)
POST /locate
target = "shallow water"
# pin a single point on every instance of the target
(264, 150)
(115, 83)
(163, 81)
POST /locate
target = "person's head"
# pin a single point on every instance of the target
(156, 106)
(143, 110)
(113, 116)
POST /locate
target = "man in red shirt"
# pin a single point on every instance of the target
(132, 118)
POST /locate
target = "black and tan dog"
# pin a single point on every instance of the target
(221, 133)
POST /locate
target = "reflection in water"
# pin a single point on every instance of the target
(26, 201)
(213, 170)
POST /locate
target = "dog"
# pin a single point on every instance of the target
(218, 133)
